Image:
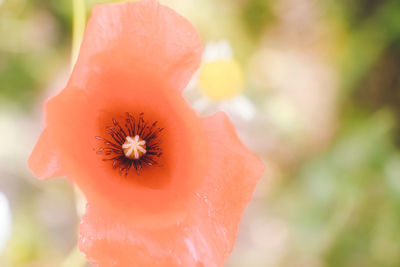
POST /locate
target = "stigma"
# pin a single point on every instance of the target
(135, 147)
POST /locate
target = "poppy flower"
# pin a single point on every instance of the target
(164, 187)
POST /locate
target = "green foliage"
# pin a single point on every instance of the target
(256, 15)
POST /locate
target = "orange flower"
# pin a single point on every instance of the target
(164, 187)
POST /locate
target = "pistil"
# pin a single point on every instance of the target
(135, 147)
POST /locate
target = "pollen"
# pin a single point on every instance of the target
(135, 147)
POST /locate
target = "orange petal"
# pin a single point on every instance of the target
(106, 242)
(143, 35)
(159, 195)
(229, 185)
(44, 160)
(133, 57)
(206, 236)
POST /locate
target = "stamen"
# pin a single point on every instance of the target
(137, 145)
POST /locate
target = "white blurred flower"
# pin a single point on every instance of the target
(219, 83)
(5, 221)
(239, 106)
(217, 51)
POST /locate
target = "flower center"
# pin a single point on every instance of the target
(135, 144)
(135, 147)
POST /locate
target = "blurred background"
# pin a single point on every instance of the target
(313, 89)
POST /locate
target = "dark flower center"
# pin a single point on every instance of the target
(136, 145)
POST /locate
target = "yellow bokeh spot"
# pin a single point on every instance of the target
(221, 79)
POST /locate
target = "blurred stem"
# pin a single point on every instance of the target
(78, 27)
(74, 259)
(338, 224)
